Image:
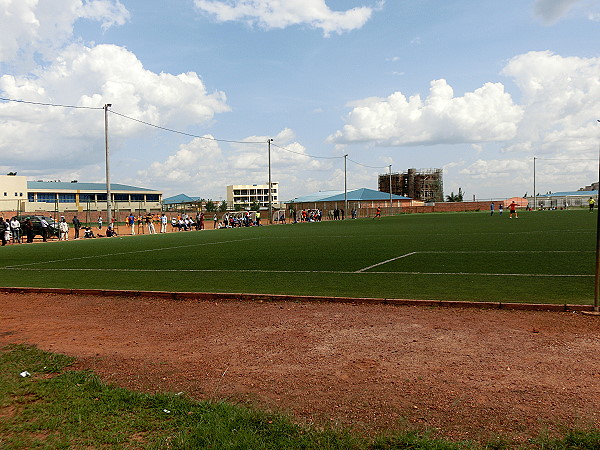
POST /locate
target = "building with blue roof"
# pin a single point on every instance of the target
(18, 194)
(365, 201)
(567, 199)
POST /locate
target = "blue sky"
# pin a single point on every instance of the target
(475, 88)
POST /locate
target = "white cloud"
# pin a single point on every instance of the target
(486, 114)
(32, 27)
(560, 96)
(271, 14)
(91, 77)
(206, 166)
(550, 11)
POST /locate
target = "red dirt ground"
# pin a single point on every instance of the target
(468, 373)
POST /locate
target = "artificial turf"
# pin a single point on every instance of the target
(541, 257)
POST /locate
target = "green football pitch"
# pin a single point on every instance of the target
(541, 257)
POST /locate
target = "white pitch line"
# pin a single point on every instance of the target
(385, 262)
(338, 272)
(128, 253)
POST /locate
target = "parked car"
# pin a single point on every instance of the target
(37, 225)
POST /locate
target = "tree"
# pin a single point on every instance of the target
(255, 206)
(210, 206)
(455, 198)
(223, 206)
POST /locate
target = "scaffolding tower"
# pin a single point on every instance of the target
(426, 185)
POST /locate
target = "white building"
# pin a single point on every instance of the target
(246, 194)
(18, 194)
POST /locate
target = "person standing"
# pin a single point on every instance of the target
(15, 229)
(76, 226)
(512, 208)
(500, 208)
(100, 222)
(215, 220)
(163, 223)
(131, 221)
(3, 230)
(45, 226)
(201, 221)
(258, 218)
(492, 209)
(591, 202)
(63, 228)
(29, 230)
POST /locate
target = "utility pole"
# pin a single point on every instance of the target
(597, 279)
(391, 204)
(534, 193)
(270, 201)
(108, 194)
(345, 188)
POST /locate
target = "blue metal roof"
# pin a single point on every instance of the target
(180, 198)
(362, 194)
(64, 186)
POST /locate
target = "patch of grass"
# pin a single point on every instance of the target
(58, 408)
(542, 257)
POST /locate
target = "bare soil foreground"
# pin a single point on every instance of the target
(468, 373)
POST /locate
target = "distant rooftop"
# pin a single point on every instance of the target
(362, 194)
(68, 186)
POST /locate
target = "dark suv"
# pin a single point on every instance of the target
(37, 225)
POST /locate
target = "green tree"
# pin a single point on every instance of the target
(210, 206)
(455, 198)
(223, 206)
(255, 206)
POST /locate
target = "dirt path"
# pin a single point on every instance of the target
(469, 373)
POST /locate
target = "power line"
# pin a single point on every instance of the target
(370, 167)
(304, 154)
(49, 104)
(184, 133)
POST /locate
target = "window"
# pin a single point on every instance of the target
(101, 197)
(20, 194)
(66, 198)
(31, 197)
(87, 197)
(5, 194)
(137, 197)
(46, 197)
(121, 197)
(152, 198)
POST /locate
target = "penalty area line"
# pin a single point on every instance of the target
(385, 262)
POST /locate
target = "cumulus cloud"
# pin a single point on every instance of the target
(558, 95)
(90, 77)
(269, 14)
(40, 28)
(206, 165)
(550, 11)
(486, 114)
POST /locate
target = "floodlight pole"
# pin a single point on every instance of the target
(345, 188)
(270, 202)
(108, 194)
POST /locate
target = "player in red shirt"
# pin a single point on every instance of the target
(513, 210)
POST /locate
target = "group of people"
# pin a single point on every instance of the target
(512, 208)
(233, 221)
(13, 231)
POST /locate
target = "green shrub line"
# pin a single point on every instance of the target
(54, 407)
